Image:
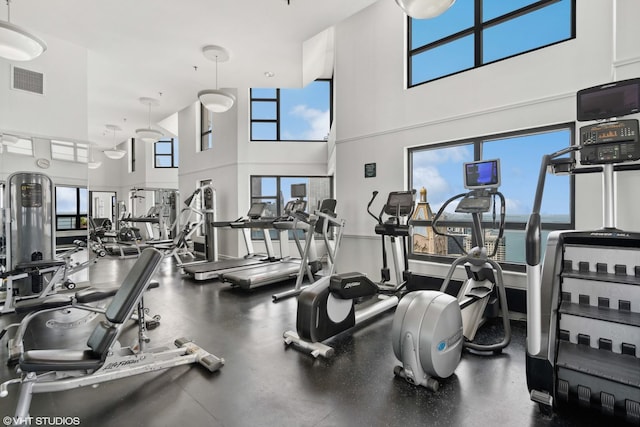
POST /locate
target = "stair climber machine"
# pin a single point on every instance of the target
(328, 307)
(430, 328)
(583, 300)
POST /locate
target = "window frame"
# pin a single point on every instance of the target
(172, 155)
(477, 143)
(279, 206)
(278, 120)
(78, 215)
(206, 128)
(476, 30)
(76, 147)
(17, 148)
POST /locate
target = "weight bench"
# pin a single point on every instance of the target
(36, 270)
(79, 300)
(102, 360)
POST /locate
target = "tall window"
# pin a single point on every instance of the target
(70, 151)
(71, 208)
(438, 168)
(292, 114)
(132, 154)
(473, 33)
(206, 129)
(165, 153)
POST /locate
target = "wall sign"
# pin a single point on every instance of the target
(369, 170)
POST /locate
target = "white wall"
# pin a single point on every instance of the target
(62, 111)
(377, 119)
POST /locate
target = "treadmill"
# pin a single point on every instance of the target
(213, 269)
(286, 268)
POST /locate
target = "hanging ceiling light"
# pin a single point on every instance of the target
(92, 164)
(17, 44)
(114, 153)
(215, 100)
(423, 9)
(148, 134)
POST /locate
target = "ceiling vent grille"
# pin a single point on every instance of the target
(27, 80)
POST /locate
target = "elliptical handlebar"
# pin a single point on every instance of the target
(373, 197)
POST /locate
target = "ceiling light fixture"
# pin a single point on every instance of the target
(114, 153)
(423, 9)
(92, 164)
(215, 100)
(148, 134)
(17, 44)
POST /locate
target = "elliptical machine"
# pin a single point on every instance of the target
(328, 307)
(430, 328)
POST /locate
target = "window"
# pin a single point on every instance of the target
(438, 168)
(132, 155)
(71, 208)
(22, 147)
(206, 129)
(473, 33)
(165, 153)
(292, 114)
(276, 192)
(69, 151)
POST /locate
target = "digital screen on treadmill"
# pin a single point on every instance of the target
(609, 100)
(482, 174)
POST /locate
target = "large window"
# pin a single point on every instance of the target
(206, 129)
(71, 208)
(473, 33)
(276, 192)
(165, 153)
(69, 151)
(438, 168)
(292, 114)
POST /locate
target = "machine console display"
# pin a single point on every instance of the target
(483, 174)
(610, 142)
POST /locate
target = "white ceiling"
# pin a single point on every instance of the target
(141, 48)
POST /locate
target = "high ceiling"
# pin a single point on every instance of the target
(153, 48)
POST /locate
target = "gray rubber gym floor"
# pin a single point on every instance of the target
(265, 384)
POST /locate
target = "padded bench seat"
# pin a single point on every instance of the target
(59, 360)
(83, 296)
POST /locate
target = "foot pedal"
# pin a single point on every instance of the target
(607, 403)
(479, 292)
(633, 411)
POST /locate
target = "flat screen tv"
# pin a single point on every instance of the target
(609, 100)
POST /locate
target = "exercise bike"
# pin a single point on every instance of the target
(431, 328)
(328, 307)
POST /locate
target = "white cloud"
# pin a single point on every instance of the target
(317, 122)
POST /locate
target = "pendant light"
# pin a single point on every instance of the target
(423, 9)
(215, 100)
(92, 164)
(114, 153)
(17, 44)
(148, 134)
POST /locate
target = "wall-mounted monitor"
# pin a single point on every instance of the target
(483, 174)
(609, 100)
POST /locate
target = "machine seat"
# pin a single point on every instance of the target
(352, 285)
(53, 301)
(104, 334)
(59, 360)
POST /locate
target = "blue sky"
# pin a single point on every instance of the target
(440, 171)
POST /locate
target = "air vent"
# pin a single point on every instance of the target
(28, 80)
